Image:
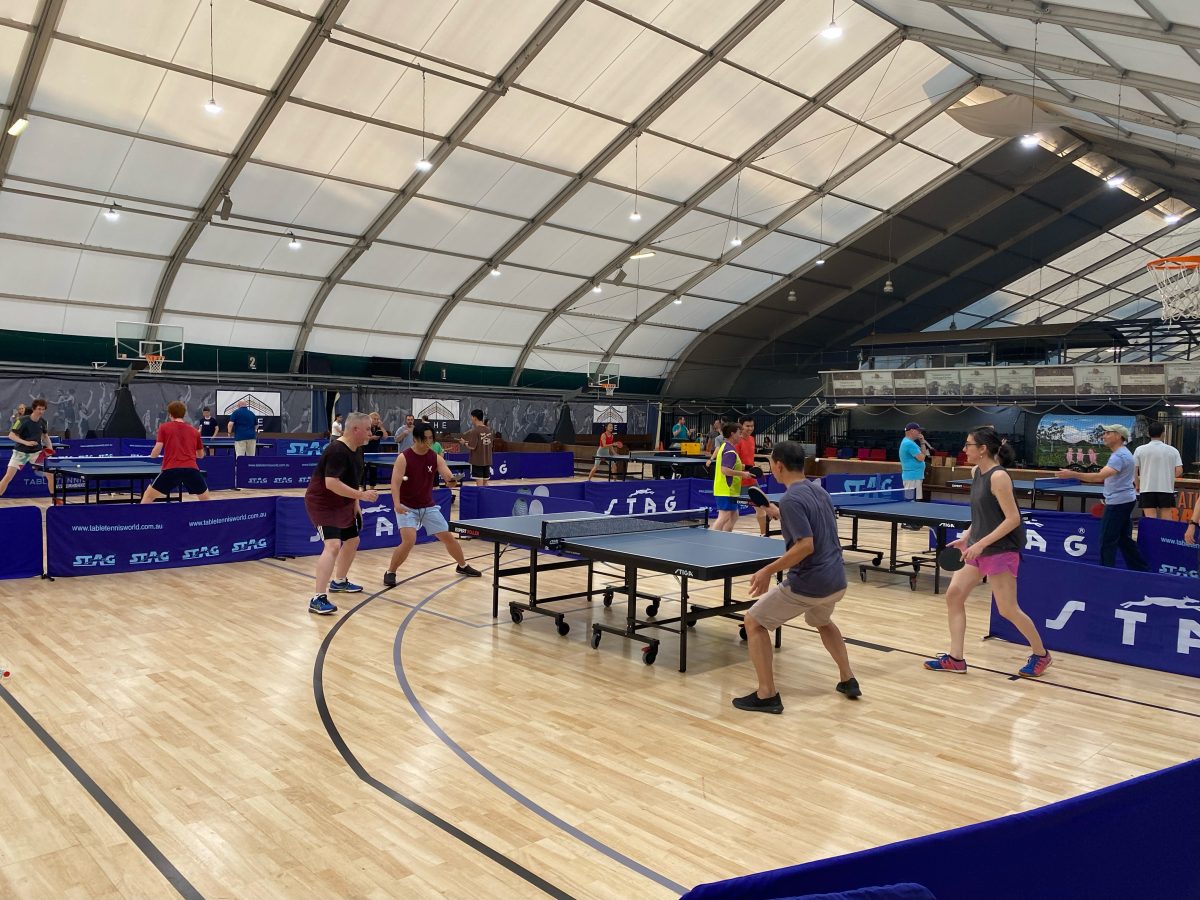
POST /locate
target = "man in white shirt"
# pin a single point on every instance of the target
(1156, 466)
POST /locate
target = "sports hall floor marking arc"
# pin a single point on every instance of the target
(495, 780)
(139, 838)
(363, 775)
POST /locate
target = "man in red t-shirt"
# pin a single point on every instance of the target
(412, 498)
(745, 450)
(180, 445)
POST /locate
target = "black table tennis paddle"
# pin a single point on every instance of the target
(950, 559)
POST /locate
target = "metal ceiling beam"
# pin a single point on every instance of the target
(30, 71)
(306, 51)
(1062, 64)
(927, 116)
(744, 27)
(457, 135)
(831, 90)
(1160, 30)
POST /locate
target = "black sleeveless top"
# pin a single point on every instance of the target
(986, 516)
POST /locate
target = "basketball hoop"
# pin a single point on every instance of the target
(154, 363)
(1178, 279)
(608, 387)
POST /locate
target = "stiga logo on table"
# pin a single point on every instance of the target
(248, 546)
(304, 448)
(150, 556)
(94, 559)
(202, 552)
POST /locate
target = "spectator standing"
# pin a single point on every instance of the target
(243, 428)
(1156, 465)
(479, 445)
(1116, 526)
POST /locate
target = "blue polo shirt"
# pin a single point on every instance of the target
(911, 468)
(245, 424)
(1118, 488)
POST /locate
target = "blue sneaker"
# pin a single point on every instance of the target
(344, 587)
(320, 606)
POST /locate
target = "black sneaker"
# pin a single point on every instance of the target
(850, 688)
(753, 703)
(468, 571)
(389, 579)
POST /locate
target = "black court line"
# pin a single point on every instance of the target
(363, 775)
(165, 867)
(495, 780)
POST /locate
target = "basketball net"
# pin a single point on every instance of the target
(609, 389)
(1178, 280)
(154, 363)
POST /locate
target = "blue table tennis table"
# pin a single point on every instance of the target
(672, 465)
(215, 444)
(1058, 488)
(98, 475)
(678, 544)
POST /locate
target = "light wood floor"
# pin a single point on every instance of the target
(487, 756)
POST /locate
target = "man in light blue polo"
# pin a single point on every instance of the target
(912, 463)
(1116, 527)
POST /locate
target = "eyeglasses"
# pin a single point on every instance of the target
(970, 444)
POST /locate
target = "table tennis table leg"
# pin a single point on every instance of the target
(495, 579)
(937, 555)
(683, 621)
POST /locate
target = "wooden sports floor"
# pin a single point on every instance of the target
(197, 732)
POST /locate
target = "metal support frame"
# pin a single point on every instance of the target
(31, 72)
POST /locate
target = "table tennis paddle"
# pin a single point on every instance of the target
(757, 497)
(756, 471)
(950, 559)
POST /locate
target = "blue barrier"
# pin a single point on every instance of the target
(1054, 535)
(635, 497)
(90, 539)
(27, 483)
(218, 471)
(93, 447)
(274, 471)
(546, 465)
(136, 446)
(1161, 542)
(296, 447)
(845, 482)
(295, 534)
(1074, 848)
(1137, 618)
(22, 529)
(488, 502)
(505, 466)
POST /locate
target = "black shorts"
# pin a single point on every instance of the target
(482, 472)
(169, 480)
(1156, 500)
(334, 533)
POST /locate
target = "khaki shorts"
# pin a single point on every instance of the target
(781, 604)
(244, 448)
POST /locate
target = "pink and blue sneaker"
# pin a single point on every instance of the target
(1035, 666)
(946, 663)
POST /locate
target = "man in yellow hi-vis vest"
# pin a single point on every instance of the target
(727, 485)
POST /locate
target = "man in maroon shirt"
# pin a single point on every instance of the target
(412, 497)
(179, 444)
(332, 504)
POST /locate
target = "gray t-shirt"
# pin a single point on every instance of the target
(805, 510)
(1118, 488)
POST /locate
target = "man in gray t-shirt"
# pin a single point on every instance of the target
(816, 580)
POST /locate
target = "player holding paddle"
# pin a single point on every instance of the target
(996, 554)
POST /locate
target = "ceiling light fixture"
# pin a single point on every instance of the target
(678, 301)
(423, 164)
(294, 242)
(18, 127)
(735, 241)
(635, 216)
(820, 261)
(1030, 140)
(211, 107)
(888, 287)
(833, 30)
(495, 270)
(791, 297)
(596, 289)
(642, 254)
(112, 213)
(1115, 180)
(1172, 218)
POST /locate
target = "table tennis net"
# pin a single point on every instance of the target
(597, 526)
(872, 498)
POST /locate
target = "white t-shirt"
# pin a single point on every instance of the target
(1156, 462)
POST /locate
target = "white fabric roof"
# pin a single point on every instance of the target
(547, 123)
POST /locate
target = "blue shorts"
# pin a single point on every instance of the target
(430, 518)
(727, 504)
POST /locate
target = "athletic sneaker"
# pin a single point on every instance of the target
(320, 606)
(344, 587)
(389, 579)
(946, 663)
(1035, 665)
(468, 571)
(753, 703)
(850, 688)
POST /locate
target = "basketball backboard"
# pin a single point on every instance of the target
(133, 340)
(604, 376)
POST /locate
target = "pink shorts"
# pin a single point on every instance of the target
(997, 563)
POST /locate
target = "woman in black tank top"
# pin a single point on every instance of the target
(990, 547)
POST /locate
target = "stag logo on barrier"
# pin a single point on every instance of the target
(93, 560)
(643, 497)
(202, 552)
(284, 479)
(304, 448)
(149, 556)
(258, 479)
(1073, 544)
(248, 546)
(871, 483)
(1187, 631)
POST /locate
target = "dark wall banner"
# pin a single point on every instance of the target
(296, 535)
(273, 471)
(1161, 542)
(94, 540)
(1137, 618)
(22, 529)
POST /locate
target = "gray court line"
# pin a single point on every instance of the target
(495, 780)
(148, 848)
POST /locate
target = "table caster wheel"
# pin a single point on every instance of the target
(862, 573)
(517, 615)
(878, 561)
(608, 596)
(649, 655)
(563, 626)
(651, 610)
(912, 582)
(742, 632)
(595, 640)
(691, 623)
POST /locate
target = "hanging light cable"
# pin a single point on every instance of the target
(1032, 139)
(423, 164)
(833, 30)
(635, 216)
(211, 107)
(821, 226)
(736, 240)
